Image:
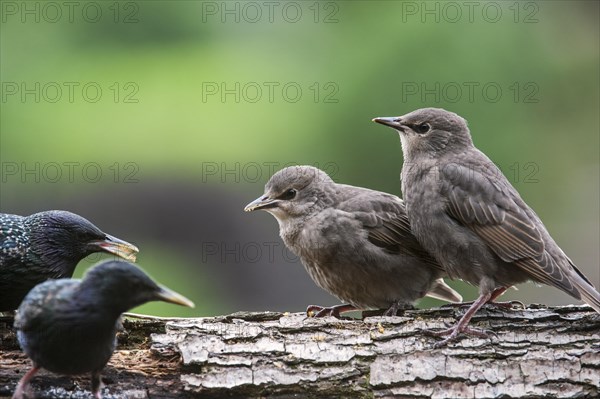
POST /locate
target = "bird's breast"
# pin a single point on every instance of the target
(68, 345)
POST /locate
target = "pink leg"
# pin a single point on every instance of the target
(507, 305)
(96, 385)
(495, 294)
(24, 383)
(462, 325)
(320, 311)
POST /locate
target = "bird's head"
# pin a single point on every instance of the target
(293, 192)
(121, 285)
(429, 131)
(61, 236)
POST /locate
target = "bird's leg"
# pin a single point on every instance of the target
(396, 307)
(495, 294)
(23, 384)
(321, 311)
(393, 310)
(507, 305)
(96, 385)
(462, 325)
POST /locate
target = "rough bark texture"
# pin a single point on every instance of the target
(536, 352)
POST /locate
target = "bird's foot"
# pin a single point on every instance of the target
(321, 311)
(454, 332)
(463, 324)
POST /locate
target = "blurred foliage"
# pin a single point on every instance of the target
(363, 54)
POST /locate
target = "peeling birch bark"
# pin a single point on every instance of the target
(553, 352)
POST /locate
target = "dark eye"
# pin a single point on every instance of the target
(289, 194)
(422, 128)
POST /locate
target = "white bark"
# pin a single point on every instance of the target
(537, 352)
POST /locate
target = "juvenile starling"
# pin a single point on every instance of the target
(465, 212)
(47, 245)
(68, 326)
(354, 242)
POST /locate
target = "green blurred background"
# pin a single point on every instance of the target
(159, 121)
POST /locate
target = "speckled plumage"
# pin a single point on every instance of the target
(47, 245)
(68, 326)
(354, 242)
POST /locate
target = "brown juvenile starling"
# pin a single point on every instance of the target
(354, 242)
(467, 214)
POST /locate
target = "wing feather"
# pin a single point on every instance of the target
(498, 215)
(386, 223)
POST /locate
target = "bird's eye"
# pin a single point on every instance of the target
(289, 194)
(422, 128)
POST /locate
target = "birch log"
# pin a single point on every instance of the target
(534, 352)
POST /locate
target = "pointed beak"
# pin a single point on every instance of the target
(118, 247)
(263, 202)
(394, 122)
(166, 295)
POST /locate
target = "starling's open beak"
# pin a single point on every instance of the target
(167, 295)
(263, 202)
(118, 247)
(392, 121)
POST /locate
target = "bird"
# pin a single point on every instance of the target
(465, 212)
(47, 245)
(68, 326)
(355, 243)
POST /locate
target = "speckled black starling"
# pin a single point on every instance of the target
(68, 326)
(467, 214)
(354, 242)
(47, 245)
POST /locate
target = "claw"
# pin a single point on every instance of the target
(454, 332)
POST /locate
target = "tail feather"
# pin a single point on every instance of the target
(584, 287)
(588, 293)
(559, 271)
(442, 291)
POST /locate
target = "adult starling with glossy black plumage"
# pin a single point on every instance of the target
(69, 326)
(47, 245)
(354, 242)
(465, 212)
